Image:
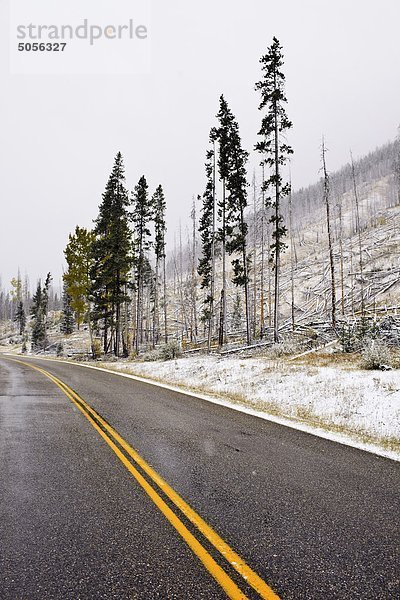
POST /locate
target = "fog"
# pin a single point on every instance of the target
(60, 133)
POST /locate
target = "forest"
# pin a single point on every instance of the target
(259, 264)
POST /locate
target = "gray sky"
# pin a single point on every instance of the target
(59, 133)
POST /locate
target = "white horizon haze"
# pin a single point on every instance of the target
(61, 132)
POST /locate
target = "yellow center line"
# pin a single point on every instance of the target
(219, 544)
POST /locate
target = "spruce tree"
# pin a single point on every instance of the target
(232, 229)
(141, 217)
(45, 306)
(237, 227)
(67, 318)
(193, 278)
(206, 267)
(222, 135)
(275, 152)
(20, 317)
(38, 334)
(159, 206)
(112, 258)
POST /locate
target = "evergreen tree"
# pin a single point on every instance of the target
(236, 204)
(159, 206)
(141, 217)
(237, 313)
(38, 335)
(112, 258)
(222, 135)
(67, 319)
(20, 317)
(45, 306)
(206, 267)
(232, 228)
(275, 152)
(46, 293)
(193, 278)
(396, 164)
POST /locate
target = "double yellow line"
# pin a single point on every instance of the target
(110, 435)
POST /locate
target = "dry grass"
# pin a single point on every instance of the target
(302, 414)
(344, 360)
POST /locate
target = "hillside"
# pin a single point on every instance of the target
(305, 269)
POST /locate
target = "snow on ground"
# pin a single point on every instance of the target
(365, 403)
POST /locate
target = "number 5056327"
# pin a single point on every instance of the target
(41, 47)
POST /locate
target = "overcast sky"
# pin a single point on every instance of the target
(60, 133)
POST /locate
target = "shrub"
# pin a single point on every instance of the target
(151, 356)
(355, 336)
(375, 355)
(60, 349)
(96, 349)
(170, 350)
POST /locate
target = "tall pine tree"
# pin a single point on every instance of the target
(38, 326)
(275, 153)
(222, 135)
(206, 267)
(237, 226)
(112, 258)
(232, 228)
(20, 317)
(141, 217)
(158, 204)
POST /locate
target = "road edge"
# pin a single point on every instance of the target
(340, 438)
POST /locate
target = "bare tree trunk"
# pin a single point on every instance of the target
(262, 318)
(341, 257)
(139, 303)
(125, 332)
(359, 234)
(269, 277)
(246, 279)
(254, 256)
(117, 317)
(180, 285)
(183, 312)
(194, 280)
(105, 340)
(291, 257)
(156, 315)
(89, 322)
(165, 302)
(277, 233)
(222, 328)
(328, 222)
(212, 283)
(351, 275)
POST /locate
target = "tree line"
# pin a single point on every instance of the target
(119, 283)
(116, 274)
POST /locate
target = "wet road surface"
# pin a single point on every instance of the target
(314, 519)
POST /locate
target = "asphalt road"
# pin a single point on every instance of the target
(314, 519)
